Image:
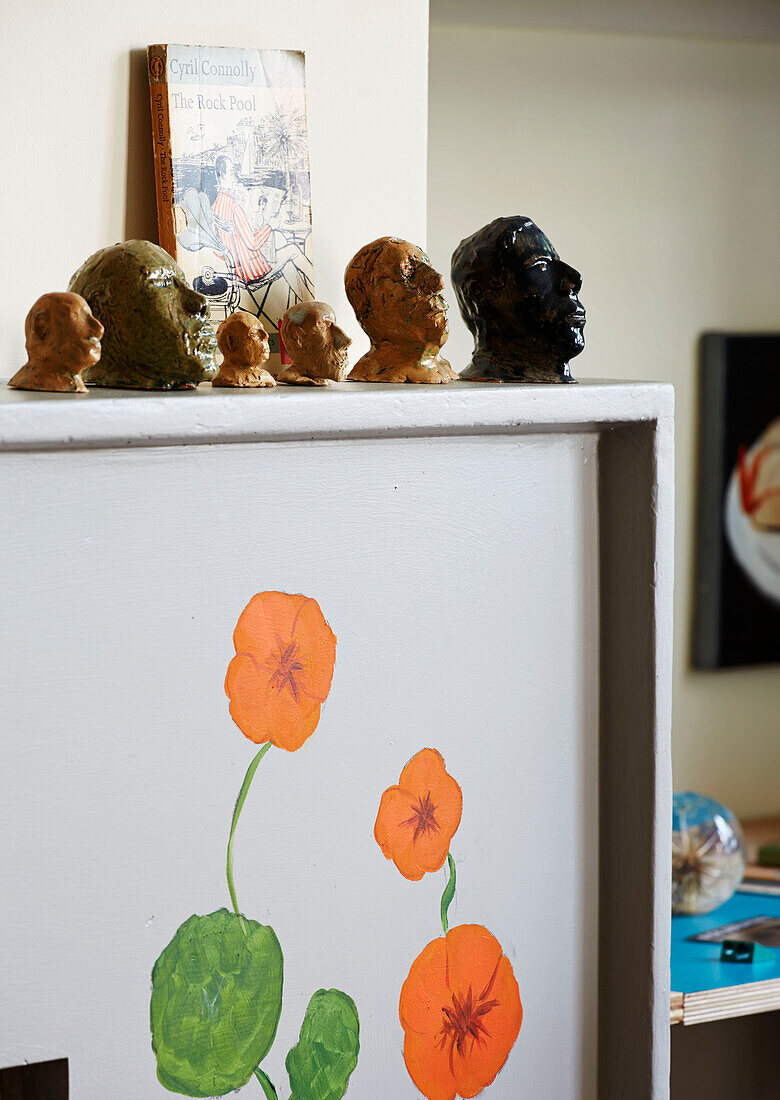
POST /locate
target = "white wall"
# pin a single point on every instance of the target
(653, 164)
(75, 129)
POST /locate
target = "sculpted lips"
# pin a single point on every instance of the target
(434, 307)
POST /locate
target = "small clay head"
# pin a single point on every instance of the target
(519, 299)
(242, 340)
(157, 332)
(396, 294)
(244, 345)
(62, 340)
(315, 343)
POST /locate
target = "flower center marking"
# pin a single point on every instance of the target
(465, 1019)
(285, 667)
(423, 817)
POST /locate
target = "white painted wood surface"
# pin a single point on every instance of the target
(102, 418)
(455, 538)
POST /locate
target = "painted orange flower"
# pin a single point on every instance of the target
(282, 670)
(461, 1013)
(418, 818)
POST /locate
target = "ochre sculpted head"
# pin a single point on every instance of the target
(397, 298)
(244, 345)
(315, 343)
(62, 340)
(519, 299)
(157, 331)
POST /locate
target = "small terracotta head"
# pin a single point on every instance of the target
(519, 299)
(397, 298)
(157, 331)
(315, 343)
(62, 340)
(244, 345)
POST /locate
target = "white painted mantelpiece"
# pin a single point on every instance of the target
(496, 563)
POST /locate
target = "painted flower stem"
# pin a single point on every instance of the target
(449, 893)
(266, 1084)
(250, 774)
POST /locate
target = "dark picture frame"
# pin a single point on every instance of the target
(737, 622)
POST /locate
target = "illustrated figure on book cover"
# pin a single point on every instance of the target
(232, 163)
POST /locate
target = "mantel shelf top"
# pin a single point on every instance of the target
(107, 417)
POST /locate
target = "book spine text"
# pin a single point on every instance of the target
(157, 61)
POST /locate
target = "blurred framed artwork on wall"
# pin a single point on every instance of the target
(737, 615)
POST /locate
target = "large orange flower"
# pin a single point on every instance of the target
(418, 818)
(461, 1013)
(281, 673)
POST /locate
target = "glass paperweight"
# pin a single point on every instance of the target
(708, 854)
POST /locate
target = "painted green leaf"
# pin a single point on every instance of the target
(320, 1064)
(216, 1002)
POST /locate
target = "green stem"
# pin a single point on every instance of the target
(268, 1088)
(449, 893)
(250, 774)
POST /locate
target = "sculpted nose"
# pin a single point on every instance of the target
(192, 301)
(430, 279)
(570, 280)
(340, 338)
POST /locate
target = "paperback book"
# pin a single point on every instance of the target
(231, 159)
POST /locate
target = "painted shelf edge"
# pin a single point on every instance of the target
(122, 418)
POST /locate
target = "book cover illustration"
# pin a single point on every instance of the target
(232, 175)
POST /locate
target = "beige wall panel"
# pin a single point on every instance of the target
(653, 164)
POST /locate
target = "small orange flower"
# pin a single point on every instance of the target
(418, 818)
(281, 673)
(461, 1013)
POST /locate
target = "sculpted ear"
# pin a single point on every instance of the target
(41, 325)
(290, 334)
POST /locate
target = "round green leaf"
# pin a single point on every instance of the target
(320, 1064)
(216, 1002)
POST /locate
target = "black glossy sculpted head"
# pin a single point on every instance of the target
(519, 300)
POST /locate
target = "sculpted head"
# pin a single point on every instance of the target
(157, 331)
(393, 289)
(244, 345)
(315, 343)
(242, 340)
(519, 299)
(397, 299)
(62, 340)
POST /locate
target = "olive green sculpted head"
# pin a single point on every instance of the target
(157, 331)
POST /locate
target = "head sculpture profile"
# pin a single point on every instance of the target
(157, 331)
(316, 345)
(519, 300)
(244, 345)
(62, 340)
(397, 298)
